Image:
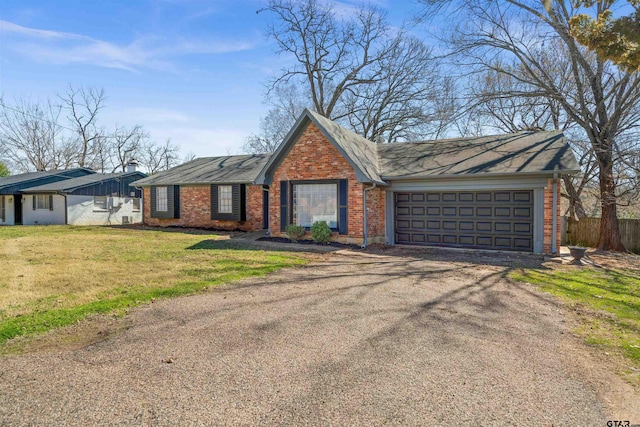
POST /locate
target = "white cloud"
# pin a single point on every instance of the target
(145, 52)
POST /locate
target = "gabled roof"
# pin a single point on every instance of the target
(210, 170)
(517, 153)
(73, 184)
(361, 153)
(20, 182)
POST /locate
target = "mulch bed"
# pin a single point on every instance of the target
(309, 242)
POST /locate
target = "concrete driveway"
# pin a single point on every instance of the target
(354, 339)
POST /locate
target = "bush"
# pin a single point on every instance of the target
(320, 232)
(295, 232)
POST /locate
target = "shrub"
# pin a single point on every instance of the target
(295, 232)
(320, 232)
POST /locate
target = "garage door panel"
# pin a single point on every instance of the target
(502, 197)
(465, 226)
(448, 211)
(523, 227)
(502, 227)
(417, 210)
(433, 225)
(466, 240)
(483, 219)
(449, 225)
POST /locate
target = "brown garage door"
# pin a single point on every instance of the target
(481, 219)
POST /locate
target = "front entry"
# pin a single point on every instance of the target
(17, 206)
(473, 219)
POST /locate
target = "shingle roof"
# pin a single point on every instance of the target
(210, 170)
(518, 153)
(361, 153)
(33, 176)
(71, 184)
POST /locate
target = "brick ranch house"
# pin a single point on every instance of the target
(495, 192)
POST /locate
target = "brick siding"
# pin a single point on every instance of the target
(313, 157)
(195, 210)
(548, 217)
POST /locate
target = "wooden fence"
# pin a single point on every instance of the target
(587, 230)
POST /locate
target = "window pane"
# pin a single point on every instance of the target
(161, 199)
(100, 202)
(42, 201)
(136, 204)
(225, 199)
(315, 202)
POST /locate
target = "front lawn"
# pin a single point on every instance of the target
(53, 276)
(605, 299)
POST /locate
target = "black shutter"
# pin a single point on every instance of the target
(284, 198)
(34, 202)
(152, 201)
(2, 208)
(342, 206)
(50, 202)
(242, 208)
(176, 201)
(238, 203)
(214, 202)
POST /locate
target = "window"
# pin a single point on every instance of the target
(315, 202)
(43, 201)
(161, 199)
(2, 209)
(100, 203)
(225, 199)
(136, 205)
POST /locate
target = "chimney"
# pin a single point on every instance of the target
(132, 166)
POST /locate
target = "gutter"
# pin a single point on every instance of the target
(364, 201)
(554, 215)
(267, 190)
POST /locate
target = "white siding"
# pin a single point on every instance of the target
(43, 216)
(81, 211)
(9, 211)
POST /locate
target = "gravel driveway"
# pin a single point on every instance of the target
(354, 339)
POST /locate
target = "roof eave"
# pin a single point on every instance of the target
(482, 175)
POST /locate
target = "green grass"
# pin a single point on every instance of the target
(607, 300)
(55, 276)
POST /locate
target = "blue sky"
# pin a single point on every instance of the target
(190, 70)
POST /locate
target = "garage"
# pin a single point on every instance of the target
(471, 219)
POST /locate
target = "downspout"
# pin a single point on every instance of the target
(554, 215)
(364, 198)
(66, 209)
(269, 207)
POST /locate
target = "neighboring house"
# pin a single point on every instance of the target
(497, 192)
(11, 187)
(77, 197)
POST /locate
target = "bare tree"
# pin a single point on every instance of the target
(159, 157)
(82, 106)
(29, 135)
(357, 70)
(509, 38)
(125, 145)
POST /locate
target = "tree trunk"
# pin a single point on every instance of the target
(609, 228)
(576, 208)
